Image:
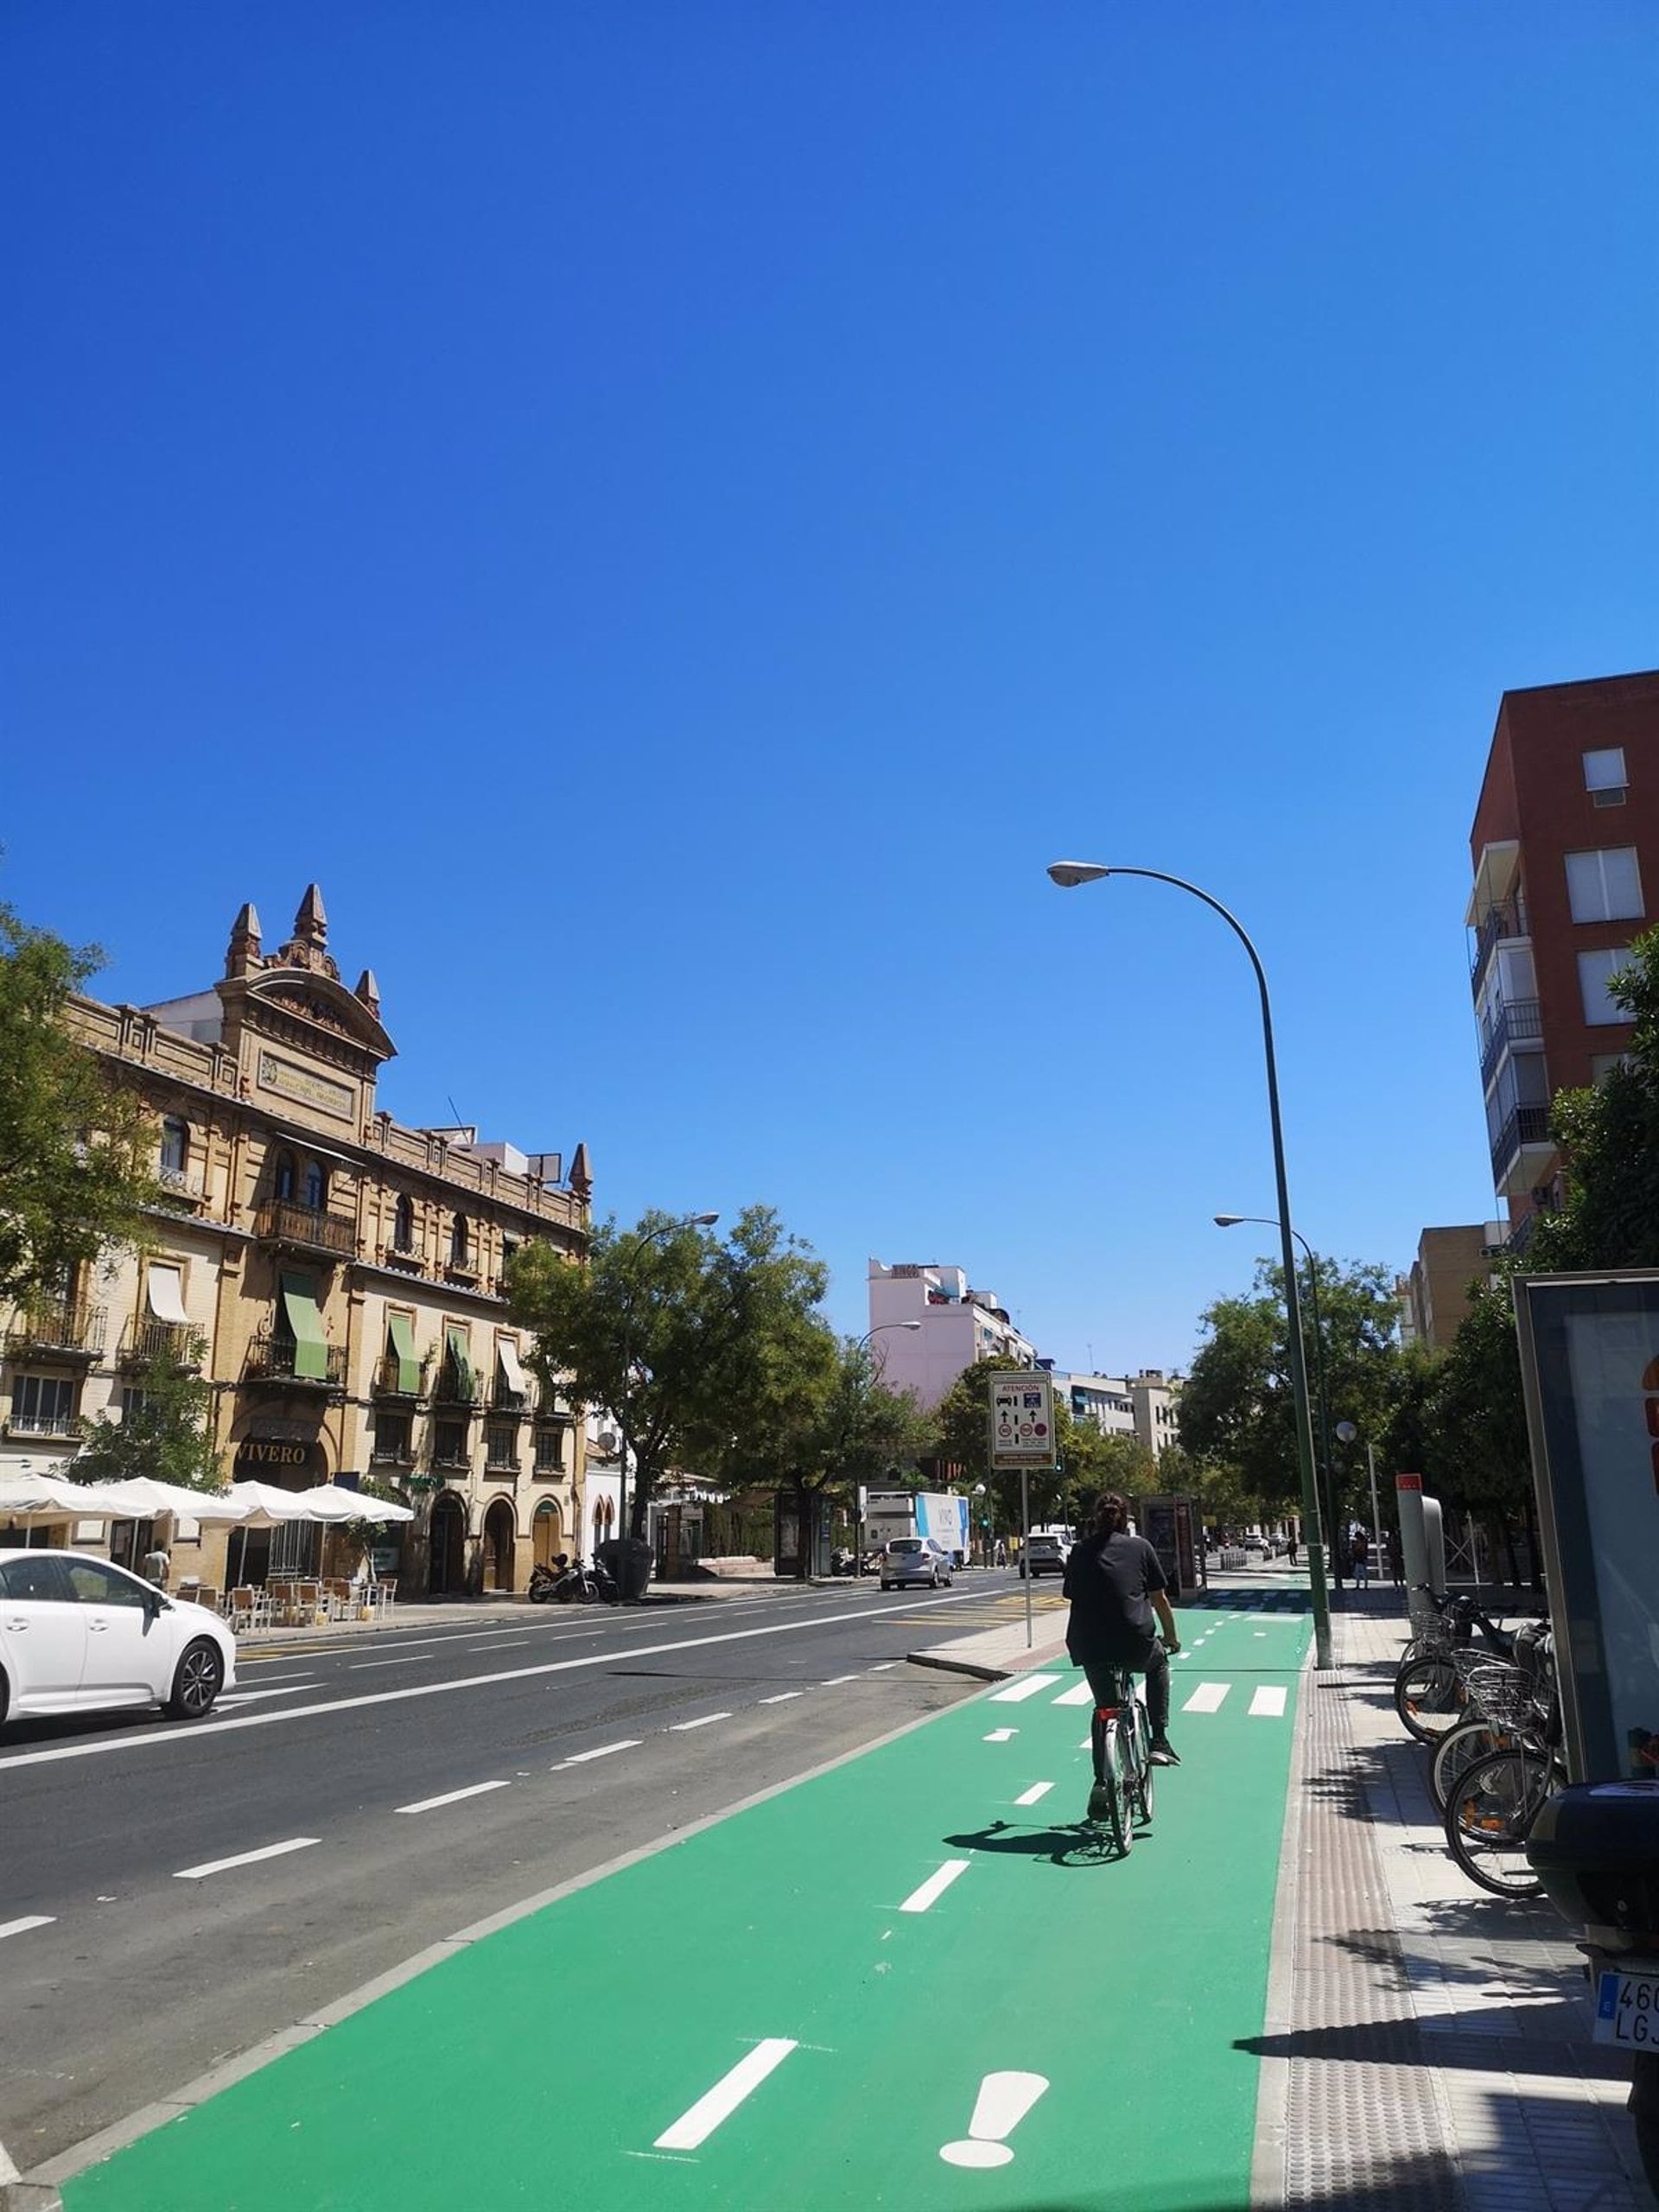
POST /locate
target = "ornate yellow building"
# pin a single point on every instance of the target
(338, 1277)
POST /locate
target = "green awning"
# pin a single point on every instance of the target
(401, 1330)
(310, 1344)
(459, 1361)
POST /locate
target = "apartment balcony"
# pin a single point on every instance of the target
(1526, 1130)
(294, 1228)
(387, 1381)
(55, 1426)
(508, 1404)
(147, 1341)
(1519, 1022)
(60, 1329)
(500, 1470)
(1504, 922)
(456, 1392)
(181, 1187)
(273, 1363)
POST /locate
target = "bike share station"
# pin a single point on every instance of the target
(1590, 1371)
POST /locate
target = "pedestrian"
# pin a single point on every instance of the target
(1290, 1547)
(1362, 1557)
(1396, 1558)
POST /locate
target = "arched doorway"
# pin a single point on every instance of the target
(498, 1534)
(447, 1547)
(548, 1529)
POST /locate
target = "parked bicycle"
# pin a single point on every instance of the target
(1429, 1694)
(1487, 1689)
(1493, 1801)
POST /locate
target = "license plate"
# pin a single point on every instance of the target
(1627, 2011)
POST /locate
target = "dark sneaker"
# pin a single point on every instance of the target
(1100, 1801)
(1163, 1753)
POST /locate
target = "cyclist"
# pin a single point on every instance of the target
(1115, 1584)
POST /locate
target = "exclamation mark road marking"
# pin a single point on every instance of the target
(1003, 2101)
(694, 2128)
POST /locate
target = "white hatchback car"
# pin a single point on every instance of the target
(78, 1634)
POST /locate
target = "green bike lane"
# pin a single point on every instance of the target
(909, 1980)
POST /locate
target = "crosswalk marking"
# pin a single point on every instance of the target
(1207, 1698)
(1081, 1695)
(1016, 1693)
(1268, 1703)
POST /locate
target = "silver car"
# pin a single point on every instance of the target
(914, 1559)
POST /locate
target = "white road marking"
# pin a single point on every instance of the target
(1080, 1694)
(834, 1681)
(361, 1666)
(246, 1858)
(500, 1644)
(1209, 1697)
(1001, 1735)
(248, 1697)
(450, 1797)
(604, 1752)
(695, 2126)
(1003, 2101)
(1269, 1703)
(679, 1727)
(21, 1927)
(1016, 1693)
(886, 1667)
(1038, 1789)
(782, 1697)
(934, 1886)
(149, 1739)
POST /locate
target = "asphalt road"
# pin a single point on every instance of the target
(399, 1786)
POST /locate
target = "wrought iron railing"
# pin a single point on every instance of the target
(1518, 1021)
(147, 1340)
(1526, 1125)
(1508, 918)
(281, 1221)
(275, 1359)
(56, 1325)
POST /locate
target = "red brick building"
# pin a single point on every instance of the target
(1565, 848)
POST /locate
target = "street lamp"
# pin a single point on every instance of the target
(863, 1345)
(1068, 874)
(1347, 1432)
(641, 1242)
(1263, 1220)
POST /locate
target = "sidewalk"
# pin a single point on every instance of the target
(481, 1611)
(1427, 2045)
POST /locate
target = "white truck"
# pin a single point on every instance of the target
(941, 1514)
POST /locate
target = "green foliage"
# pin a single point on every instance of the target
(168, 1436)
(1087, 1461)
(1477, 1458)
(687, 1343)
(73, 1144)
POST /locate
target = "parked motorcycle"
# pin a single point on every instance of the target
(545, 1580)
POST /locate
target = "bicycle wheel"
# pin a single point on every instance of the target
(1429, 1697)
(1120, 1769)
(1457, 1750)
(1138, 1752)
(1490, 1815)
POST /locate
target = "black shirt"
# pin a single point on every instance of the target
(1108, 1578)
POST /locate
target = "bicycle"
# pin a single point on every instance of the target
(1510, 1702)
(1121, 1743)
(1494, 1802)
(1429, 1688)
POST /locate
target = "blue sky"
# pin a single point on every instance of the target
(674, 514)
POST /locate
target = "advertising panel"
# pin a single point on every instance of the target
(1590, 1367)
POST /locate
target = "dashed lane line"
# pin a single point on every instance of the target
(702, 1721)
(21, 1927)
(451, 1797)
(834, 1681)
(782, 1697)
(601, 1751)
(694, 2126)
(934, 1886)
(1034, 1795)
(245, 1857)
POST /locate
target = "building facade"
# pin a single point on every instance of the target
(1434, 1297)
(1565, 850)
(954, 1325)
(335, 1275)
(1146, 1406)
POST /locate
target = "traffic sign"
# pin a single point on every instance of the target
(1022, 1420)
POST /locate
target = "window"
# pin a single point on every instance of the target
(1603, 1064)
(501, 1446)
(316, 1186)
(1605, 885)
(461, 1242)
(549, 1449)
(1605, 770)
(35, 1581)
(92, 1584)
(133, 1402)
(403, 1226)
(450, 1444)
(176, 1146)
(392, 1438)
(43, 1405)
(1596, 970)
(282, 1181)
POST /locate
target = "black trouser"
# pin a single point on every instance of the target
(1152, 1661)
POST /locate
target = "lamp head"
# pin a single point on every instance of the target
(1068, 874)
(1346, 1431)
(1228, 1220)
(700, 1220)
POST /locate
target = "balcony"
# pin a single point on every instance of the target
(1526, 1125)
(181, 1187)
(305, 1229)
(508, 1404)
(55, 1425)
(387, 1381)
(1519, 1022)
(272, 1363)
(1507, 919)
(145, 1342)
(453, 1388)
(56, 1329)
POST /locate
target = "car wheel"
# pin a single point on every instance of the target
(5, 1699)
(886, 1585)
(196, 1684)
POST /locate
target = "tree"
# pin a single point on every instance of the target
(672, 1333)
(74, 1144)
(166, 1433)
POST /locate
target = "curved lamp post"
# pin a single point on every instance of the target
(1328, 1493)
(640, 1243)
(864, 1343)
(1068, 874)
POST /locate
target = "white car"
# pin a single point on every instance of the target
(78, 1634)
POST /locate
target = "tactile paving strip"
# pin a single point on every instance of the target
(1364, 2124)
